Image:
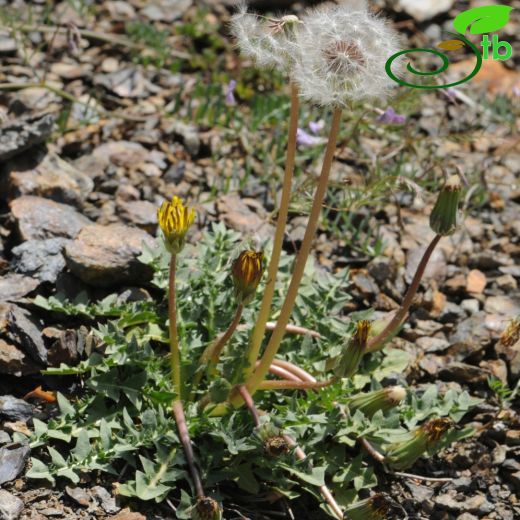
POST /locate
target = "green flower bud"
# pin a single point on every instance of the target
(402, 455)
(219, 390)
(370, 402)
(374, 508)
(350, 359)
(206, 508)
(443, 219)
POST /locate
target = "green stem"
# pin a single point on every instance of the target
(399, 316)
(274, 343)
(175, 357)
(265, 307)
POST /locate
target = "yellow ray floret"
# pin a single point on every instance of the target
(174, 220)
(247, 271)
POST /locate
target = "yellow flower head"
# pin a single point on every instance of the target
(174, 220)
(247, 271)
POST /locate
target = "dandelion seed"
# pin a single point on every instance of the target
(230, 93)
(390, 117)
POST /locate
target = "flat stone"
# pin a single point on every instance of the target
(236, 214)
(47, 176)
(506, 282)
(503, 305)
(12, 461)
(18, 135)
(126, 514)
(107, 255)
(79, 495)
(469, 336)
(15, 286)
(14, 409)
(21, 329)
(435, 270)
(471, 305)
(165, 10)
(432, 344)
(108, 502)
(140, 213)
(14, 362)
(38, 218)
(463, 373)
(475, 281)
(42, 259)
(425, 9)
(11, 507)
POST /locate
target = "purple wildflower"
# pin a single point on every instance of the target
(230, 93)
(317, 126)
(305, 139)
(390, 117)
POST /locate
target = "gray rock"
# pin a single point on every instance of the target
(432, 344)
(11, 507)
(488, 260)
(165, 10)
(14, 409)
(42, 259)
(140, 213)
(469, 336)
(435, 270)
(107, 255)
(15, 286)
(382, 269)
(12, 461)
(4, 437)
(108, 502)
(503, 305)
(188, 133)
(463, 373)
(20, 134)
(14, 362)
(471, 305)
(48, 176)
(38, 218)
(21, 329)
(79, 495)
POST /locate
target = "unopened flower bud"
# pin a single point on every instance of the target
(370, 402)
(174, 220)
(206, 508)
(247, 272)
(374, 508)
(443, 219)
(402, 455)
(219, 390)
(354, 351)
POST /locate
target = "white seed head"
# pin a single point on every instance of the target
(395, 394)
(340, 54)
(266, 40)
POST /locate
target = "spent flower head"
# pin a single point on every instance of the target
(370, 402)
(354, 351)
(374, 508)
(444, 216)
(340, 54)
(511, 335)
(247, 272)
(402, 455)
(206, 508)
(174, 220)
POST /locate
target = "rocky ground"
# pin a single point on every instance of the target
(86, 162)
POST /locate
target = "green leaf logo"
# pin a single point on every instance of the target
(483, 19)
